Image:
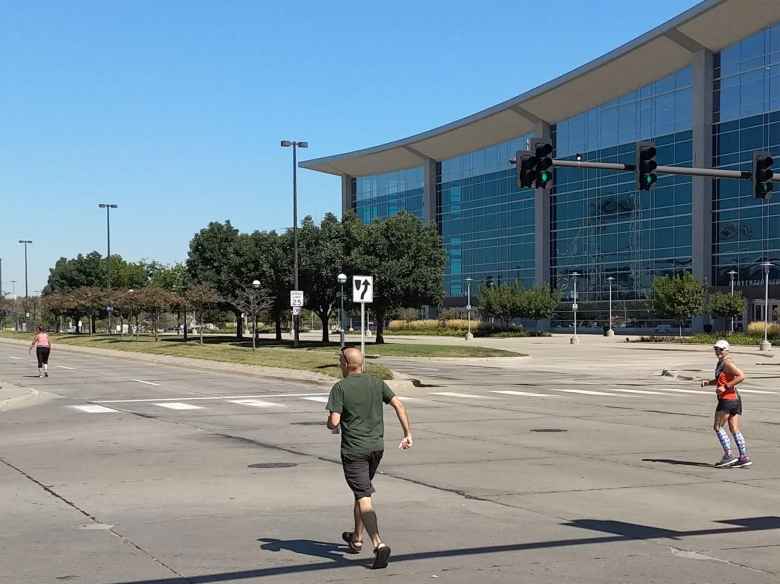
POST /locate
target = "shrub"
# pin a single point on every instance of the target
(757, 329)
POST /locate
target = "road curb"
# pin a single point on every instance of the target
(14, 397)
(203, 364)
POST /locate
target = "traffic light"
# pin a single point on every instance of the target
(645, 166)
(762, 175)
(542, 149)
(526, 173)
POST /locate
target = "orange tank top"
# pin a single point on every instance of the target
(724, 380)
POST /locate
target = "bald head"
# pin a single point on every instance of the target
(352, 359)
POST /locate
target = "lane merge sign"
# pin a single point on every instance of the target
(363, 289)
(296, 298)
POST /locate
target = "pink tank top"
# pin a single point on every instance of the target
(41, 340)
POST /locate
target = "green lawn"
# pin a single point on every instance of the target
(310, 356)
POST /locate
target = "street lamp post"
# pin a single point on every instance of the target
(765, 344)
(610, 332)
(108, 207)
(469, 335)
(342, 279)
(295, 145)
(575, 340)
(732, 274)
(26, 242)
(256, 286)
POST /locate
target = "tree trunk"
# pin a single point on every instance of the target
(239, 326)
(278, 323)
(380, 327)
(92, 322)
(200, 322)
(325, 332)
(185, 325)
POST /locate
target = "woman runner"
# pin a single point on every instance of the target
(42, 346)
(729, 409)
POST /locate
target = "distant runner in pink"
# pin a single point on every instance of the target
(42, 346)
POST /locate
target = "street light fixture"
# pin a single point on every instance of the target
(295, 145)
(256, 286)
(108, 207)
(469, 335)
(765, 344)
(610, 332)
(575, 339)
(342, 279)
(732, 275)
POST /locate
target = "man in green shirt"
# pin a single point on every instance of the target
(355, 407)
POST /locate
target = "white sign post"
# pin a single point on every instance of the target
(363, 293)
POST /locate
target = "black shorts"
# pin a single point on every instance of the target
(43, 355)
(732, 406)
(359, 471)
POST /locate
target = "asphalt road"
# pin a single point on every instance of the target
(578, 464)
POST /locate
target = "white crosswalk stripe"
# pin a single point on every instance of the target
(145, 382)
(524, 393)
(586, 392)
(317, 398)
(256, 403)
(456, 394)
(94, 409)
(636, 391)
(178, 406)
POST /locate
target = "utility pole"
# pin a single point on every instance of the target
(108, 207)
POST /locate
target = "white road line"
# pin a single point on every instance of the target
(68, 368)
(586, 392)
(525, 393)
(455, 394)
(209, 398)
(318, 398)
(410, 399)
(740, 390)
(638, 391)
(256, 403)
(94, 409)
(179, 406)
(15, 358)
(145, 382)
(671, 390)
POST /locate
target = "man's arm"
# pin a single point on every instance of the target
(403, 418)
(334, 419)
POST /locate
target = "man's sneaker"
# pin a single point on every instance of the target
(727, 460)
(743, 461)
(46, 374)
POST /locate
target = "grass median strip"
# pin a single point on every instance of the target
(309, 356)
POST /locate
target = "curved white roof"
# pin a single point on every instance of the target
(711, 25)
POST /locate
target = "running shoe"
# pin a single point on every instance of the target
(727, 460)
(46, 374)
(743, 462)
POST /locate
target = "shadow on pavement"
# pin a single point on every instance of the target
(678, 462)
(618, 531)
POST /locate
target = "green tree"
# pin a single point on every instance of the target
(725, 306)
(213, 259)
(154, 301)
(83, 271)
(406, 258)
(202, 298)
(539, 303)
(678, 297)
(503, 302)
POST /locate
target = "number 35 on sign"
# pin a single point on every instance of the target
(363, 289)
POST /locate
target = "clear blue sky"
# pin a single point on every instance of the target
(174, 110)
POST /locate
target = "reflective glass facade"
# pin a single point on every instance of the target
(383, 195)
(486, 222)
(746, 118)
(601, 226)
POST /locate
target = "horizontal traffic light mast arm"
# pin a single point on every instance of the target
(682, 170)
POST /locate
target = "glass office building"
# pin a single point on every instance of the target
(704, 87)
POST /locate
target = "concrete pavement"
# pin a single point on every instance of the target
(578, 464)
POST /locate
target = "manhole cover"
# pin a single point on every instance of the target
(273, 465)
(549, 430)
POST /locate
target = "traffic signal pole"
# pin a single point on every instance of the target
(680, 170)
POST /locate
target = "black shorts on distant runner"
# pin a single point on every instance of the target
(43, 356)
(732, 406)
(359, 471)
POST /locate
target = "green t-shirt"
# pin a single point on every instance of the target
(359, 399)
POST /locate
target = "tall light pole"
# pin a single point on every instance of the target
(342, 279)
(295, 145)
(26, 242)
(469, 335)
(108, 207)
(575, 339)
(256, 286)
(765, 344)
(732, 274)
(610, 332)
